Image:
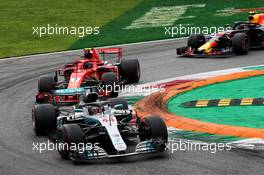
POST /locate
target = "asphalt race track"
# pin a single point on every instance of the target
(18, 86)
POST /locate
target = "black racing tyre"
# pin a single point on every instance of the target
(46, 83)
(44, 117)
(119, 101)
(109, 81)
(240, 44)
(68, 135)
(130, 70)
(153, 127)
(195, 41)
(109, 78)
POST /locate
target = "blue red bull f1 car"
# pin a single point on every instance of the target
(242, 37)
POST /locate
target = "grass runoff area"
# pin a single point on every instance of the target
(245, 116)
(18, 18)
(118, 21)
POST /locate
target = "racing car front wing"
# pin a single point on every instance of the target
(149, 146)
(189, 52)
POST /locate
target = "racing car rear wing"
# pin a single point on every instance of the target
(70, 96)
(73, 91)
(114, 50)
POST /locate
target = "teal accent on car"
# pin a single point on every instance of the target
(72, 91)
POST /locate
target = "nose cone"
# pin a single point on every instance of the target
(207, 46)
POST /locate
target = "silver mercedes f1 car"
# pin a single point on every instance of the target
(100, 129)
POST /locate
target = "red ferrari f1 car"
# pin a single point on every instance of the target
(99, 69)
(242, 37)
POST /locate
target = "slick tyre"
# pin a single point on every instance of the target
(153, 127)
(46, 83)
(130, 70)
(195, 41)
(44, 118)
(240, 44)
(68, 134)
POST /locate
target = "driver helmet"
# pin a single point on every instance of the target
(87, 53)
(94, 110)
(88, 65)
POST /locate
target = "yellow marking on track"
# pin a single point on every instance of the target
(246, 101)
(224, 102)
(202, 103)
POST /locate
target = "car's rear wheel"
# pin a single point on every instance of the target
(46, 83)
(109, 80)
(44, 117)
(130, 70)
(195, 41)
(153, 127)
(69, 135)
(240, 44)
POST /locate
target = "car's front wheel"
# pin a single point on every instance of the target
(69, 136)
(44, 117)
(240, 44)
(153, 127)
(195, 41)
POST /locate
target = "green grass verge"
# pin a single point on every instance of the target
(255, 68)
(18, 17)
(114, 32)
(247, 116)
